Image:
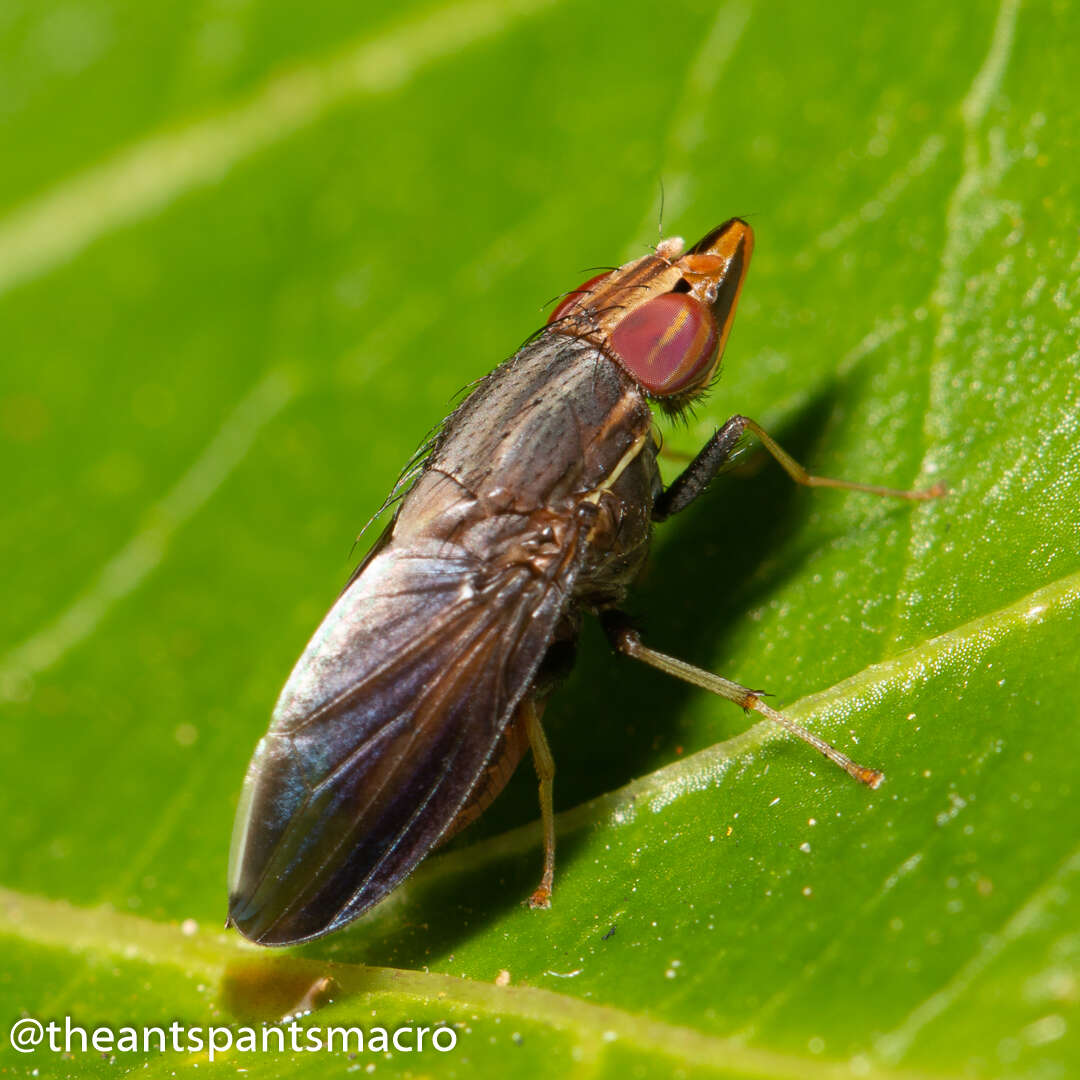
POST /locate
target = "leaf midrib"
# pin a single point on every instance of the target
(58, 924)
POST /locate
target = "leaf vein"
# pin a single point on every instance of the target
(56, 924)
(142, 178)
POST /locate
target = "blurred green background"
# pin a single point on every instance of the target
(250, 251)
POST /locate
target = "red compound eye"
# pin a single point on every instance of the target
(579, 297)
(667, 344)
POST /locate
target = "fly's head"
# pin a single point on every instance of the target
(665, 318)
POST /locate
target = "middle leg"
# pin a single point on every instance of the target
(627, 640)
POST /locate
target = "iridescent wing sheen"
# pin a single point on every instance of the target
(384, 727)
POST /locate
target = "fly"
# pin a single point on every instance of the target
(426, 682)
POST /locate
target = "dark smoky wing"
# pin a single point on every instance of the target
(383, 728)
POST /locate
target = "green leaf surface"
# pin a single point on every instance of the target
(248, 255)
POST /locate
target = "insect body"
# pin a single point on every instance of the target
(425, 684)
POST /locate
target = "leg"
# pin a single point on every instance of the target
(627, 641)
(545, 770)
(693, 480)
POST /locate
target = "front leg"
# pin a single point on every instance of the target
(694, 479)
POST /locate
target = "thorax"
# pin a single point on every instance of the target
(551, 451)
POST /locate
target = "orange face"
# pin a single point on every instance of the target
(665, 317)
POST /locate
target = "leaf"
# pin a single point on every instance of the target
(246, 260)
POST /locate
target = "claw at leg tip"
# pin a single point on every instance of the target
(540, 899)
(872, 778)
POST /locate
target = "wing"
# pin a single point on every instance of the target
(384, 727)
